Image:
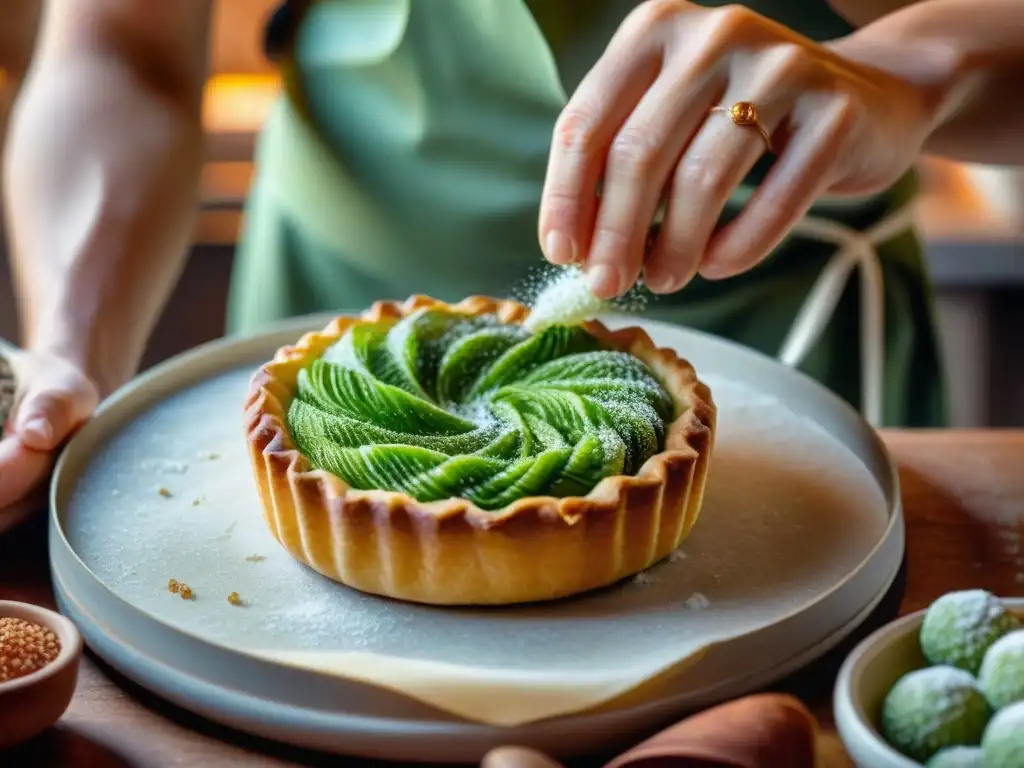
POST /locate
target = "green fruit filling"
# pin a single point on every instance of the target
(439, 405)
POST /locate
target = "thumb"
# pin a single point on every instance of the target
(47, 414)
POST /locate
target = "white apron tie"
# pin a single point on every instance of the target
(855, 249)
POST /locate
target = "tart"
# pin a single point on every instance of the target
(443, 454)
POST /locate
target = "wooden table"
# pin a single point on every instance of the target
(963, 492)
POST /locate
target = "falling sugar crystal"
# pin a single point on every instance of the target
(567, 300)
(562, 296)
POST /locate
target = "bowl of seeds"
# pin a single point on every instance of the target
(39, 655)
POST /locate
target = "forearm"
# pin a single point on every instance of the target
(100, 186)
(969, 56)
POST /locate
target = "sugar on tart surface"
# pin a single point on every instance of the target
(443, 454)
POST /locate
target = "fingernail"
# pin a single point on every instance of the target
(603, 280)
(559, 248)
(658, 281)
(37, 428)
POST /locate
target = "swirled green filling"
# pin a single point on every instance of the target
(438, 405)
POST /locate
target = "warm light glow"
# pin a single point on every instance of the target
(238, 103)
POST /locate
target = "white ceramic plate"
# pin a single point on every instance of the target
(110, 570)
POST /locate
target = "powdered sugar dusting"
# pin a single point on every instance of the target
(940, 680)
(1007, 723)
(566, 299)
(562, 296)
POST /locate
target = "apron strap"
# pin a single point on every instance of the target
(855, 249)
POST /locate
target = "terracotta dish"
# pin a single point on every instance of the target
(32, 703)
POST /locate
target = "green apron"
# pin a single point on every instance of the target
(408, 156)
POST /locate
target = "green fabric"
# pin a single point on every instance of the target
(409, 157)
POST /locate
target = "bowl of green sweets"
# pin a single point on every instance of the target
(941, 688)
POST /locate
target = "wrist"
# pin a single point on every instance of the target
(100, 356)
(940, 69)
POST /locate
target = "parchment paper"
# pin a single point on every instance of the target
(789, 513)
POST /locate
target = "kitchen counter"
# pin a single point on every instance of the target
(963, 496)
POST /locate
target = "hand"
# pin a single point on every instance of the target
(54, 398)
(640, 125)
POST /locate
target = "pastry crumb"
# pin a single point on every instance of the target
(197, 501)
(209, 456)
(255, 558)
(164, 492)
(234, 599)
(180, 588)
(697, 601)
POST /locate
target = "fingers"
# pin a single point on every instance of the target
(22, 469)
(46, 418)
(801, 174)
(719, 158)
(55, 399)
(639, 164)
(583, 133)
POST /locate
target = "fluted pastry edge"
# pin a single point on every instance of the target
(451, 552)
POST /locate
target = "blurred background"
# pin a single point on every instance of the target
(971, 217)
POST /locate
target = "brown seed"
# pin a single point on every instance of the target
(24, 648)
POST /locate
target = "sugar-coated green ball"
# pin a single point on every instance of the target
(959, 628)
(1001, 677)
(1003, 741)
(933, 708)
(957, 757)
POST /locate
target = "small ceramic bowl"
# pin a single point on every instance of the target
(31, 704)
(865, 679)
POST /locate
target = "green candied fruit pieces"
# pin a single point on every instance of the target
(1003, 742)
(959, 627)
(934, 708)
(957, 757)
(1001, 677)
(440, 405)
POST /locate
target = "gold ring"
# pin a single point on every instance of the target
(744, 114)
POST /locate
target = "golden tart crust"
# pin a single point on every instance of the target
(451, 552)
